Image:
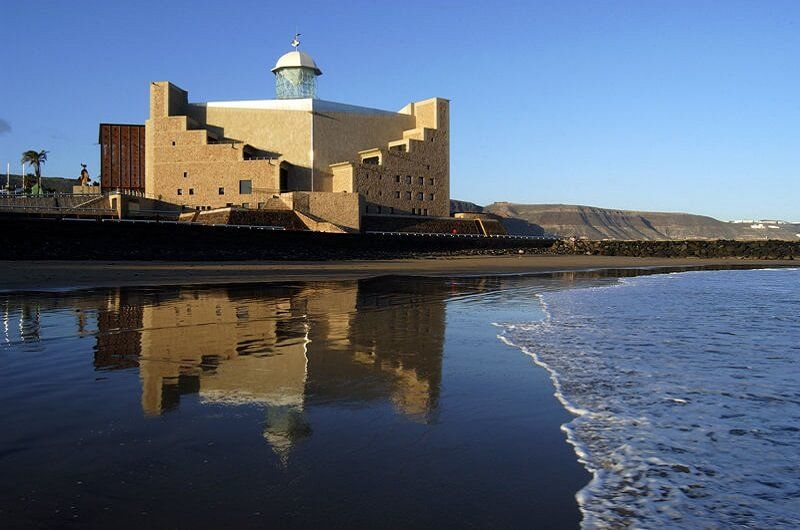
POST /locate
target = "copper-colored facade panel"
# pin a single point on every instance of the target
(122, 157)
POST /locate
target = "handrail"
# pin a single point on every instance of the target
(422, 234)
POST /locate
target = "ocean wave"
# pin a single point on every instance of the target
(685, 397)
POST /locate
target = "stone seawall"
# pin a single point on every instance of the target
(46, 239)
(767, 249)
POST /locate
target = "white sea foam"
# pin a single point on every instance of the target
(686, 396)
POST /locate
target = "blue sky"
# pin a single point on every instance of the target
(652, 105)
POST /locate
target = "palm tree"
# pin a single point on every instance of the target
(36, 159)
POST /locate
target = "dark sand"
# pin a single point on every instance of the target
(33, 275)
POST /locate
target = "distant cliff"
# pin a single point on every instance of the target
(595, 223)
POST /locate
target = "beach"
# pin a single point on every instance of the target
(57, 274)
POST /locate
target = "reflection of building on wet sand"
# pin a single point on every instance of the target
(285, 348)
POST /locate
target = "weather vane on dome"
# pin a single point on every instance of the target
(296, 40)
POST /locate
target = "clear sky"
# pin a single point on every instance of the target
(651, 105)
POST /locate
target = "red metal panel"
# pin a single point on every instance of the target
(122, 157)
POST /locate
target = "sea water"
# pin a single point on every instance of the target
(686, 394)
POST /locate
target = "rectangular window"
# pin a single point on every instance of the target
(185, 174)
(421, 181)
(397, 195)
(430, 181)
(221, 191)
(408, 179)
(371, 161)
(391, 209)
(191, 191)
(228, 204)
(261, 205)
(425, 212)
(420, 196)
(245, 187)
(397, 178)
(245, 205)
(180, 191)
(408, 195)
(431, 196)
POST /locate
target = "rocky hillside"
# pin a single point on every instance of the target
(590, 222)
(54, 184)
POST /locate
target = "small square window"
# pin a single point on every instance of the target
(420, 196)
(245, 205)
(261, 205)
(397, 195)
(221, 191)
(180, 191)
(421, 181)
(408, 195)
(191, 191)
(245, 187)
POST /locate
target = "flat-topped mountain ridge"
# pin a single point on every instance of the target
(591, 222)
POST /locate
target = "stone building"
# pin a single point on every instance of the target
(331, 161)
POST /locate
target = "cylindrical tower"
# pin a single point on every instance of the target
(296, 75)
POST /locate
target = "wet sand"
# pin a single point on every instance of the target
(34, 275)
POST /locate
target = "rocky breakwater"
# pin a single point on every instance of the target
(766, 249)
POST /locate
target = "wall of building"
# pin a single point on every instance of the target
(283, 133)
(122, 157)
(342, 209)
(193, 150)
(184, 168)
(413, 175)
(341, 131)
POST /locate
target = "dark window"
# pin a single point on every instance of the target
(229, 204)
(420, 196)
(380, 193)
(180, 191)
(408, 179)
(408, 195)
(379, 209)
(245, 187)
(425, 211)
(185, 174)
(397, 195)
(372, 161)
(397, 178)
(284, 179)
(399, 148)
(391, 209)
(221, 191)
(431, 196)
(191, 191)
(261, 205)
(173, 143)
(421, 181)
(430, 181)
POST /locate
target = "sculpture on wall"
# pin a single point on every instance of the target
(84, 178)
